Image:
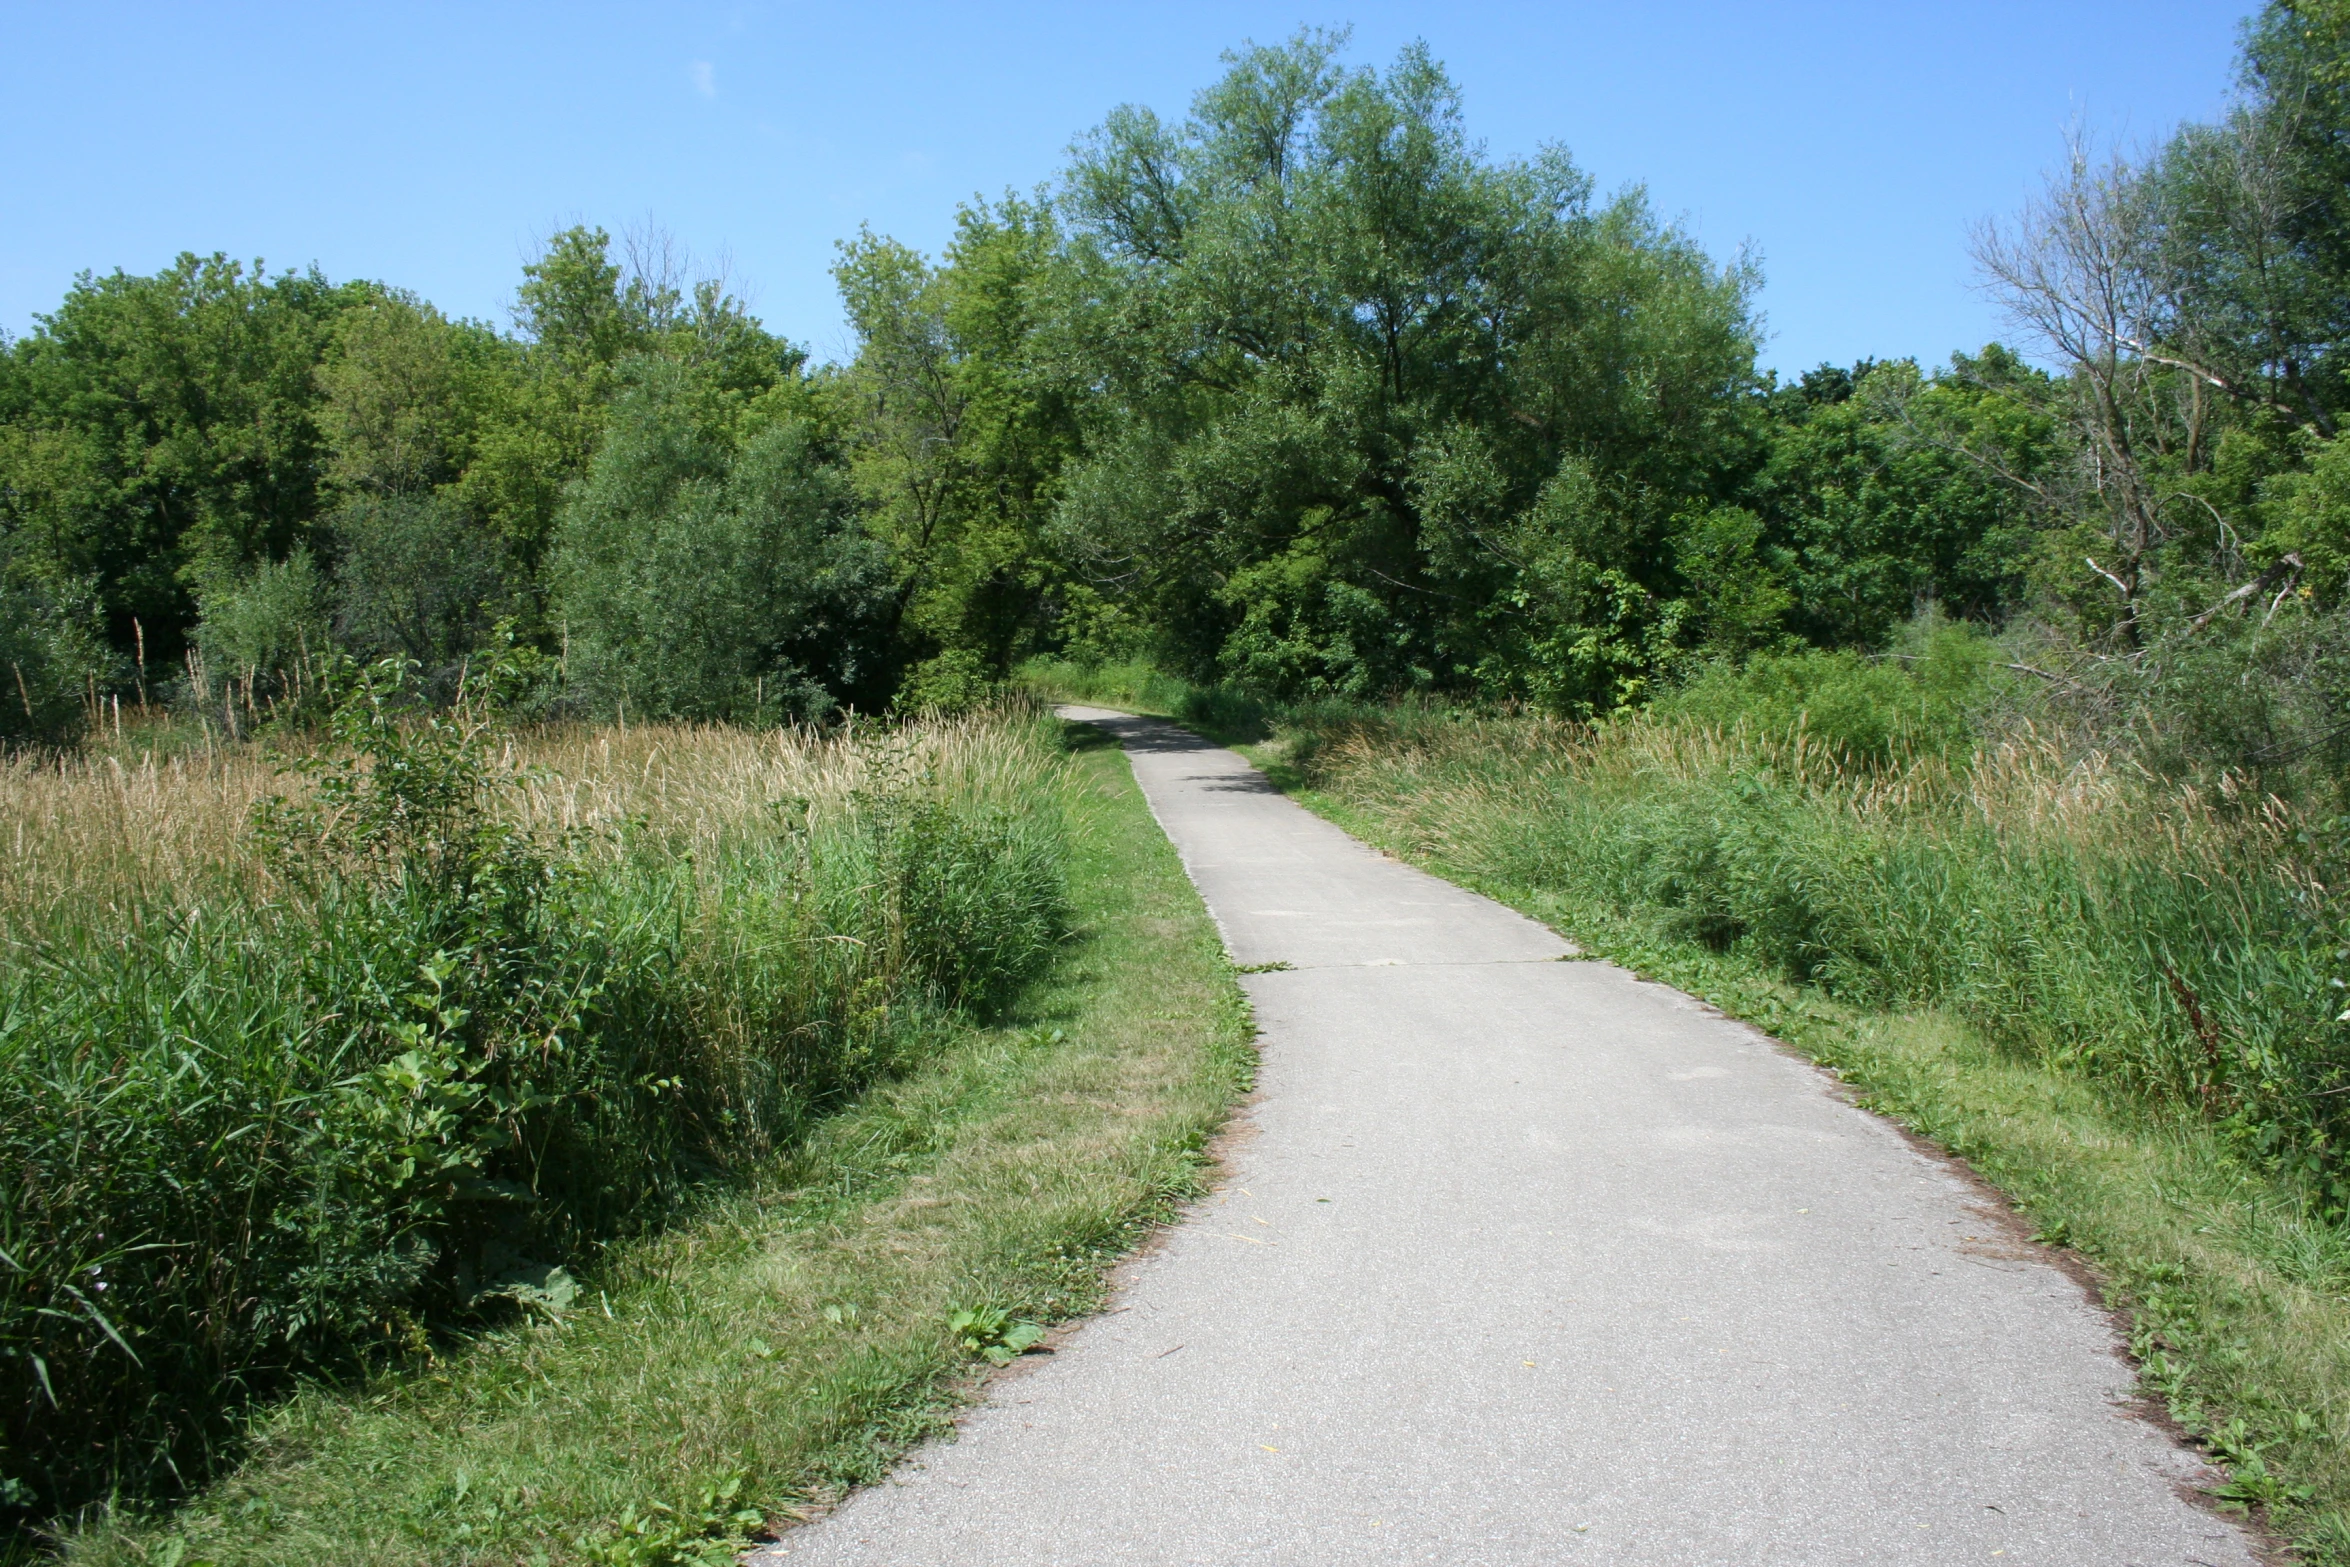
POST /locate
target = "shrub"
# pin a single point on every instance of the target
(50, 655)
(956, 681)
(263, 635)
(414, 580)
(398, 1060)
(1866, 711)
(2264, 696)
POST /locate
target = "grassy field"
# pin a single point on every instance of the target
(1996, 950)
(802, 1322)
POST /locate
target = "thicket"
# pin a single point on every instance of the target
(300, 1070)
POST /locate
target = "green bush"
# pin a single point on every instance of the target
(263, 635)
(2263, 696)
(50, 654)
(414, 580)
(410, 1079)
(956, 681)
(1863, 710)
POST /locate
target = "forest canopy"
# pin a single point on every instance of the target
(1304, 393)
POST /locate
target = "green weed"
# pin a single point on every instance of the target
(792, 1328)
(991, 1333)
(431, 1017)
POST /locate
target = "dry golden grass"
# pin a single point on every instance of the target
(131, 823)
(2029, 790)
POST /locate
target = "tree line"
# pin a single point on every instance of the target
(1303, 393)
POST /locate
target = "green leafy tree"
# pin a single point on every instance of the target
(394, 417)
(157, 432)
(1350, 367)
(1881, 490)
(584, 316)
(961, 421)
(51, 653)
(715, 569)
(415, 579)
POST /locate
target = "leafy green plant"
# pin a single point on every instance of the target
(2249, 1482)
(407, 1057)
(263, 639)
(956, 681)
(50, 652)
(992, 1333)
(708, 1532)
(1864, 712)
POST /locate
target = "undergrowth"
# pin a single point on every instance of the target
(308, 1063)
(741, 1368)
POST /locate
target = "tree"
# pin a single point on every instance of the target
(715, 570)
(2079, 271)
(51, 655)
(394, 415)
(414, 579)
(2297, 69)
(960, 424)
(1882, 489)
(162, 431)
(1343, 359)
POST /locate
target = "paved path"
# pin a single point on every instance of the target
(1530, 1262)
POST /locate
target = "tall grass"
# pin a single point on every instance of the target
(796, 1331)
(2166, 942)
(300, 1069)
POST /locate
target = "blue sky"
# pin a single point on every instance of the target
(432, 146)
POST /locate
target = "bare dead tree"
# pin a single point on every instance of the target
(656, 271)
(2079, 273)
(678, 293)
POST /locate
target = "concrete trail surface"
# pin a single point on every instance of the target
(1530, 1262)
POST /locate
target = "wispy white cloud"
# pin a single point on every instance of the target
(705, 78)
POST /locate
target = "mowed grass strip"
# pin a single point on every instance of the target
(787, 1343)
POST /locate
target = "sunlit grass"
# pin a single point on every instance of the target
(791, 1338)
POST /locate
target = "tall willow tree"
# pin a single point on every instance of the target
(710, 566)
(960, 424)
(1376, 412)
